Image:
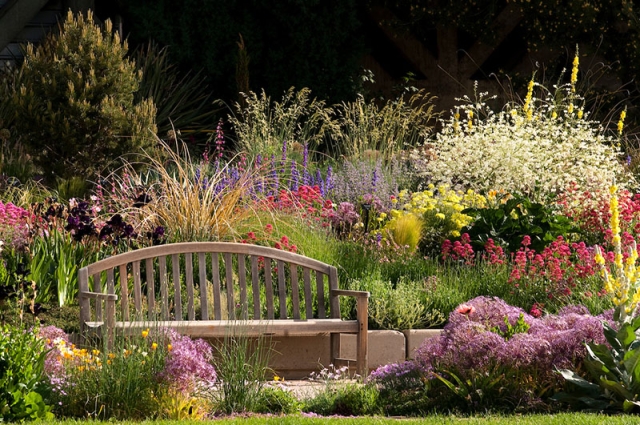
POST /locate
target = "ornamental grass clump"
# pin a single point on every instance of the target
(536, 149)
(492, 356)
(191, 201)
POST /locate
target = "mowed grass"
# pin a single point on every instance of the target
(559, 419)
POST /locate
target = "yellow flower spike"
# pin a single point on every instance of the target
(574, 71)
(623, 115)
(570, 109)
(580, 114)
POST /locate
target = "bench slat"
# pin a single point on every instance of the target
(164, 289)
(97, 287)
(202, 267)
(306, 276)
(124, 291)
(320, 291)
(295, 290)
(188, 265)
(228, 271)
(255, 285)
(222, 328)
(268, 287)
(215, 270)
(137, 290)
(151, 290)
(242, 282)
(177, 286)
(282, 290)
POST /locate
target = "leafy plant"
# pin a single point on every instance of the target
(519, 327)
(614, 372)
(74, 100)
(22, 380)
(277, 400)
(508, 223)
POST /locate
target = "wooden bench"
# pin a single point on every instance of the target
(207, 289)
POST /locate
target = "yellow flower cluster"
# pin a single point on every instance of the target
(622, 281)
(91, 359)
(442, 203)
(83, 358)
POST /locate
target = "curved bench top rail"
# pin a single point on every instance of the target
(214, 247)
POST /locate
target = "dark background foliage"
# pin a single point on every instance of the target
(301, 43)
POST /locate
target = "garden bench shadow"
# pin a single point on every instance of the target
(213, 289)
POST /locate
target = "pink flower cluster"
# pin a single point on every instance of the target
(15, 225)
(463, 251)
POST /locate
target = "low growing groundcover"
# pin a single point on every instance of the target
(560, 419)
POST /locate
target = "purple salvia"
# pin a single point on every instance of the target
(284, 154)
(295, 177)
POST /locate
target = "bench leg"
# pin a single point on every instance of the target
(363, 338)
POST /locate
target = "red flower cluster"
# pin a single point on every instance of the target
(558, 265)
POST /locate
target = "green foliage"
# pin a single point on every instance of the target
(54, 263)
(613, 381)
(22, 356)
(117, 383)
(520, 327)
(74, 100)
(508, 223)
(405, 305)
(277, 400)
(242, 364)
(183, 100)
(347, 399)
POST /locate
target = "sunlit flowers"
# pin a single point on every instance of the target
(622, 279)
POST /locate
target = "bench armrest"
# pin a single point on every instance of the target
(350, 293)
(100, 296)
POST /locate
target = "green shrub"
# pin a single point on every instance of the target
(22, 357)
(405, 305)
(277, 400)
(74, 100)
(345, 398)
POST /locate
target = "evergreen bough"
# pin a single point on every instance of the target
(74, 102)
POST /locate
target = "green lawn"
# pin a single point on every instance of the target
(560, 419)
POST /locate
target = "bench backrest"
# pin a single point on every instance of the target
(226, 280)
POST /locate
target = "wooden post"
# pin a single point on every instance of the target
(363, 336)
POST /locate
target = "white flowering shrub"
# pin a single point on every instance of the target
(536, 149)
